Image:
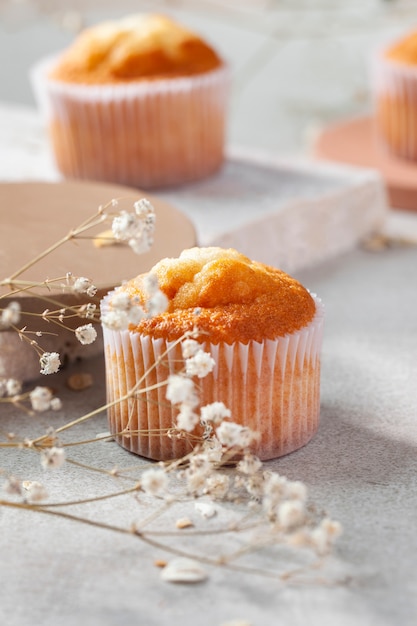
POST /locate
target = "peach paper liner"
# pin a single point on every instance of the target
(272, 387)
(149, 134)
(395, 105)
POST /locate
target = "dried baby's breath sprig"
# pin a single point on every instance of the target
(136, 228)
(52, 458)
(220, 470)
(10, 316)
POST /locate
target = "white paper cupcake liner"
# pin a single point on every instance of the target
(272, 387)
(148, 134)
(395, 106)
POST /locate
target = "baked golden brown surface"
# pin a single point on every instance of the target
(136, 47)
(404, 50)
(226, 295)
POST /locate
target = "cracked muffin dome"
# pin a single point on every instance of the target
(228, 296)
(135, 47)
(263, 330)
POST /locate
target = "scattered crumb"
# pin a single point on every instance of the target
(160, 563)
(183, 522)
(79, 382)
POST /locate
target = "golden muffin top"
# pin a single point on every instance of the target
(404, 50)
(136, 47)
(226, 296)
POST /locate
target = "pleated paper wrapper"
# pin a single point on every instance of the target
(272, 387)
(148, 134)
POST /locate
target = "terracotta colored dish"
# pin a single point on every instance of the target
(36, 215)
(354, 142)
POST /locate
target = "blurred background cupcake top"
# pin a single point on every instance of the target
(297, 65)
(137, 46)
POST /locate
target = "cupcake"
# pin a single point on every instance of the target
(395, 94)
(140, 101)
(262, 328)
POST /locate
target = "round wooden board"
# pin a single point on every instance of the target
(354, 142)
(33, 217)
(36, 215)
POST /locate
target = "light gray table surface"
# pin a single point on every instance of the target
(362, 465)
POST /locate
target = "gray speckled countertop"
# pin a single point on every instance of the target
(362, 465)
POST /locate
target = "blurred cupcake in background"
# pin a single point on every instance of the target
(395, 94)
(140, 101)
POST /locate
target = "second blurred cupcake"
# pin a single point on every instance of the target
(140, 101)
(395, 94)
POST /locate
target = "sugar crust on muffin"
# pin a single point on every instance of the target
(142, 46)
(226, 295)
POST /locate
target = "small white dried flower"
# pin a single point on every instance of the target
(86, 334)
(13, 387)
(135, 314)
(206, 509)
(144, 208)
(116, 320)
(254, 486)
(234, 435)
(275, 486)
(187, 419)
(13, 486)
(126, 226)
(10, 316)
(120, 301)
(56, 404)
(136, 228)
(140, 245)
(35, 491)
(181, 390)
(189, 348)
(213, 450)
(201, 364)
(124, 311)
(217, 485)
(52, 458)
(157, 303)
(323, 536)
(291, 513)
(200, 463)
(84, 285)
(296, 490)
(151, 283)
(196, 481)
(250, 464)
(40, 399)
(49, 362)
(88, 310)
(214, 412)
(154, 481)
